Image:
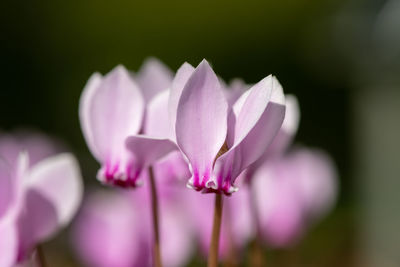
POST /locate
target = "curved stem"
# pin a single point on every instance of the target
(154, 204)
(213, 252)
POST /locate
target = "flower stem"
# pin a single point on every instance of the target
(154, 204)
(40, 256)
(213, 252)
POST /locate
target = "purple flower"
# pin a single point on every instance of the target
(118, 120)
(220, 142)
(35, 202)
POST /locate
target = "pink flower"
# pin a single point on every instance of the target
(35, 202)
(291, 192)
(117, 120)
(206, 126)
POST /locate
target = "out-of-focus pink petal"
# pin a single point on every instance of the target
(172, 173)
(12, 187)
(201, 123)
(115, 112)
(147, 150)
(181, 77)
(238, 217)
(176, 235)
(317, 177)
(279, 205)
(106, 232)
(153, 78)
(7, 191)
(157, 122)
(36, 222)
(37, 145)
(256, 125)
(8, 244)
(54, 194)
(235, 89)
(85, 103)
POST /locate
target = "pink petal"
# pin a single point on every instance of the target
(182, 76)
(201, 122)
(55, 192)
(317, 178)
(235, 89)
(278, 202)
(157, 120)
(153, 78)
(36, 223)
(284, 137)
(7, 192)
(8, 244)
(84, 111)
(115, 112)
(107, 231)
(176, 235)
(37, 145)
(172, 173)
(256, 125)
(12, 187)
(146, 150)
(289, 127)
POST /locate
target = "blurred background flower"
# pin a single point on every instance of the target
(339, 57)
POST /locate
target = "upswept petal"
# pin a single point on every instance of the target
(8, 244)
(253, 134)
(146, 150)
(85, 102)
(181, 77)
(250, 107)
(284, 137)
(115, 112)
(157, 119)
(54, 194)
(201, 123)
(153, 78)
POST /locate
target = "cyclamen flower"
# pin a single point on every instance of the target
(206, 128)
(112, 111)
(291, 193)
(35, 202)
